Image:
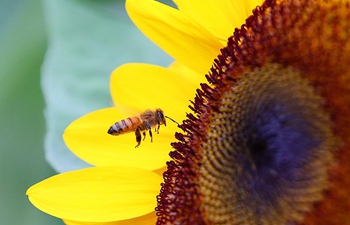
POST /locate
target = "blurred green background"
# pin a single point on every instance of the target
(22, 125)
(63, 52)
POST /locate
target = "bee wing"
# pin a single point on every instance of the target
(127, 111)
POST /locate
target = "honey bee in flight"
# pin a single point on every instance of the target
(140, 124)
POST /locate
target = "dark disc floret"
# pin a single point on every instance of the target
(268, 140)
(267, 150)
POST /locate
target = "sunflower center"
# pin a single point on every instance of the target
(267, 150)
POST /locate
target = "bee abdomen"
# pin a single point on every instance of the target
(115, 129)
(123, 126)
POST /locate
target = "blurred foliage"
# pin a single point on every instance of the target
(22, 163)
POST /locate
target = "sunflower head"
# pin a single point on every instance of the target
(268, 139)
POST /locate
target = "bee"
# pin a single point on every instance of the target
(140, 124)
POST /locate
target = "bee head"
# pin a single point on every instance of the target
(160, 117)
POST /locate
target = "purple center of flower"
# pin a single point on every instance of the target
(266, 151)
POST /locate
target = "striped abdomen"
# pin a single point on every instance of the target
(124, 126)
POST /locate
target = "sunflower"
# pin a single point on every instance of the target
(266, 141)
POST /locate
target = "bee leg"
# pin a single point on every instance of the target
(150, 134)
(158, 128)
(138, 136)
(144, 135)
(149, 128)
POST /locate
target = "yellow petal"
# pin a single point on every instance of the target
(176, 33)
(192, 77)
(71, 222)
(160, 171)
(99, 194)
(218, 17)
(145, 86)
(149, 219)
(87, 137)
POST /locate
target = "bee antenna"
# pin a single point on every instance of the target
(172, 120)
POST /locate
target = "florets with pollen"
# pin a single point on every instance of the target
(269, 138)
